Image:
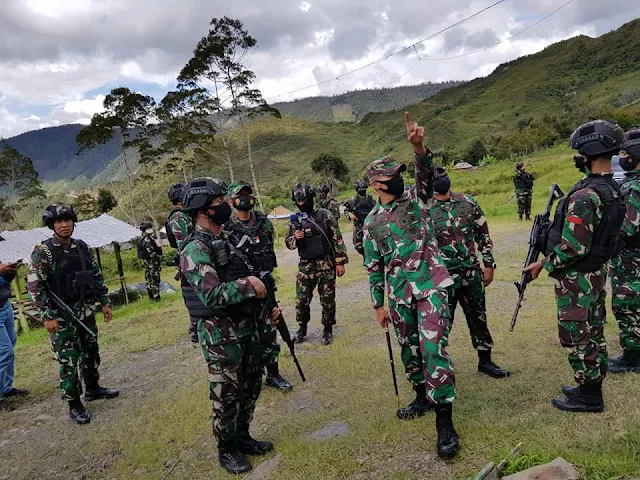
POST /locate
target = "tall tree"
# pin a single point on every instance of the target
(331, 167)
(106, 201)
(220, 59)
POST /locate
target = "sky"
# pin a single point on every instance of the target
(58, 58)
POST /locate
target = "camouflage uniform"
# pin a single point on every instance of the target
(460, 225)
(332, 205)
(230, 339)
(320, 273)
(152, 265)
(399, 238)
(357, 205)
(75, 347)
(524, 191)
(625, 270)
(181, 225)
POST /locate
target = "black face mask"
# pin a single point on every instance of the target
(244, 202)
(322, 195)
(362, 193)
(441, 185)
(582, 164)
(628, 164)
(307, 206)
(221, 214)
(395, 186)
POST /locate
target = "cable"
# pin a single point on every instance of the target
(403, 75)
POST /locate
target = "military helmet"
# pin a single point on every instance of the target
(632, 142)
(58, 211)
(302, 191)
(198, 194)
(175, 193)
(598, 137)
(361, 185)
(519, 166)
(146, 225)
(441, 172)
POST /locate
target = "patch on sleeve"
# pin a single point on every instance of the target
(574, 219)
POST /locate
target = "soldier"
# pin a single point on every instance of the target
(459, 225)
(328, 203)
(219, 290)
(523, 182)
(625, 271)
(63, 278)
(252, 232)
(151, 255)
(178, 226)
(359, 207)
(316, 235)
(584, 235)
(399, 239)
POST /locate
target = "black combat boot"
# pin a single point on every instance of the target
(275, 380)
(486, 366)
(570, 391)
(628, 362)
(418, 407)
(231, 459)
(301, 333)
(327, 335)
(588, 398)
(250, 446)
(448, 440)
(98, 392)
(520, 216)
(78, 413)
(193, 331)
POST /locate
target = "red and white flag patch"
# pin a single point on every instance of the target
(574, 219)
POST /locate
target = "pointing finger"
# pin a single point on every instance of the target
(407, 121)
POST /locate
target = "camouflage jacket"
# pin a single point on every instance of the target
(181, 225)
(148, 243)
(631, 190)
(198, 270)
(399, 238)
(236, 224)
(41, 268)
(338, 246)
(625, 271)
(332, 205)
(523, 178)
(357, 204)
(460, 225)
(584, 214)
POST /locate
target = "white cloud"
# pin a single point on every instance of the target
(304, 6)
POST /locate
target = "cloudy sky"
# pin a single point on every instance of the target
(59, 57)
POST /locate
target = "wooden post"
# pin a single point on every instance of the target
(99, 260)
(22, 325)
(123, 282)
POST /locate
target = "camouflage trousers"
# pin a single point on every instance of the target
(312, 274)
(269, 348)
(232, 352)
(152, 270)
(580, 299)
(468, 290)
(77, 350)
(524, 203)
(422, 329)
(358, 237)
(625, 286)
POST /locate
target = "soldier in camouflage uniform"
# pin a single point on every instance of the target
(178, 226)
(252, 232)
(219, 290)
(625, 267)
(325, 201)
(151, 255)
(323, 255)
(358, 207)
(523, 182)
(460, 225)
(583, 237)
(64, 267)
(399, 240)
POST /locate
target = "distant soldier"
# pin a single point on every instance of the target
(63, 278)
(325, 201)
(178, 226)
(358, 207)
(523, 182)
(151, 255)
(219, 290)
(399, 240)
(584, 236)
(460, 225)
(316, 235)
(625, 271)
(251, 232)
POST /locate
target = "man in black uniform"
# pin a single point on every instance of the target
(358, 207)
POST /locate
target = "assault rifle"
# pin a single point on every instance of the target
(270, 303)
(539, 223)
(58, 301)
(350, 207)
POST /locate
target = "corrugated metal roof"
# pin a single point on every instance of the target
(97, 232)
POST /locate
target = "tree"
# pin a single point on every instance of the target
(85, 206)
(476, 152)
(331, 167)
(106, 201)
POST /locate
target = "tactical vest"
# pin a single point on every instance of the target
(362, 207)
(630, 185)
(464, 211)
(316, 244)
(606, 239)
(170, 236)
(520, 182)
(72, 277)
(256, 242)
(230, 265)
